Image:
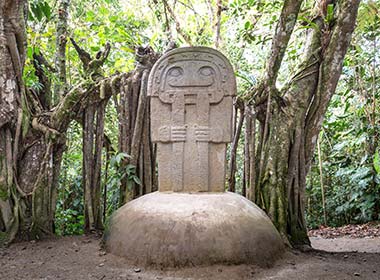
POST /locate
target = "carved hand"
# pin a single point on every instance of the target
(206, 134)
(202, 134)
(178, 134)
(164, 133)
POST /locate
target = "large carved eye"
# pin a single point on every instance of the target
(206, 71)
(175, 72)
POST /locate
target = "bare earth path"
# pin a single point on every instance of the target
(80, 257)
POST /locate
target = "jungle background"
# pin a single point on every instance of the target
(71, 43)
(343, 185)
(74, 129)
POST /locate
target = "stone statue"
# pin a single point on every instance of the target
(191, 92)
(191, 220)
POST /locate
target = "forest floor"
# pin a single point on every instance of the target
(351, 254)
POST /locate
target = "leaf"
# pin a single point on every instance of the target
(90, 16)
(95, 48)
(363, 159)
(46, 10)
(330, 13)
(36, 50)
(361, 139)
(116, 160)
(311, 24)
(37, 11)
(377, 180)
(113, 162)
(376, 162)
(137, 180)
(113, 18)
(251, 79)
(340, 145)
(30, 15)
(247, 24)
(29, 52)
(130, 169)
(152, 41)
(125, 155)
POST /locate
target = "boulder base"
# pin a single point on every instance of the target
(182, 229)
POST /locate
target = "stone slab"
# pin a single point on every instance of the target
(191, 91)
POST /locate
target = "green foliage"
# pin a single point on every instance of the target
(350, 142)
(69, 217)
(118, 172)
(352, 191)
(329, 13)
(124, 171)
(376, 162)
(91, 24)
(69, 223)
(351, 171)
(39, 10)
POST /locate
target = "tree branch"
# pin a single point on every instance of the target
(217, 23)
(331, 69)
(141, 108)
(177, 23)
(69, 107)
(83, 55)
(284, 30)
(61, 40)
(40, 64)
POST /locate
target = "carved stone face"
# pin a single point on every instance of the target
(190, 78)
(190, 74)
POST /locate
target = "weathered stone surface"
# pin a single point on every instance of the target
(191, 92)
(191, 220)
(179, 229)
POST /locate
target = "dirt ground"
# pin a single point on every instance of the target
(81, 257)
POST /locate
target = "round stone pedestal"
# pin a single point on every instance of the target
(182, 229)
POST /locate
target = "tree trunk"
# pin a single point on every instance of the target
(30, 152)
(32, 136)
(291, 118)
(234, 146)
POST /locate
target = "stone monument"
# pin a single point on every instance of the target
(191, 115)
(191, 220)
